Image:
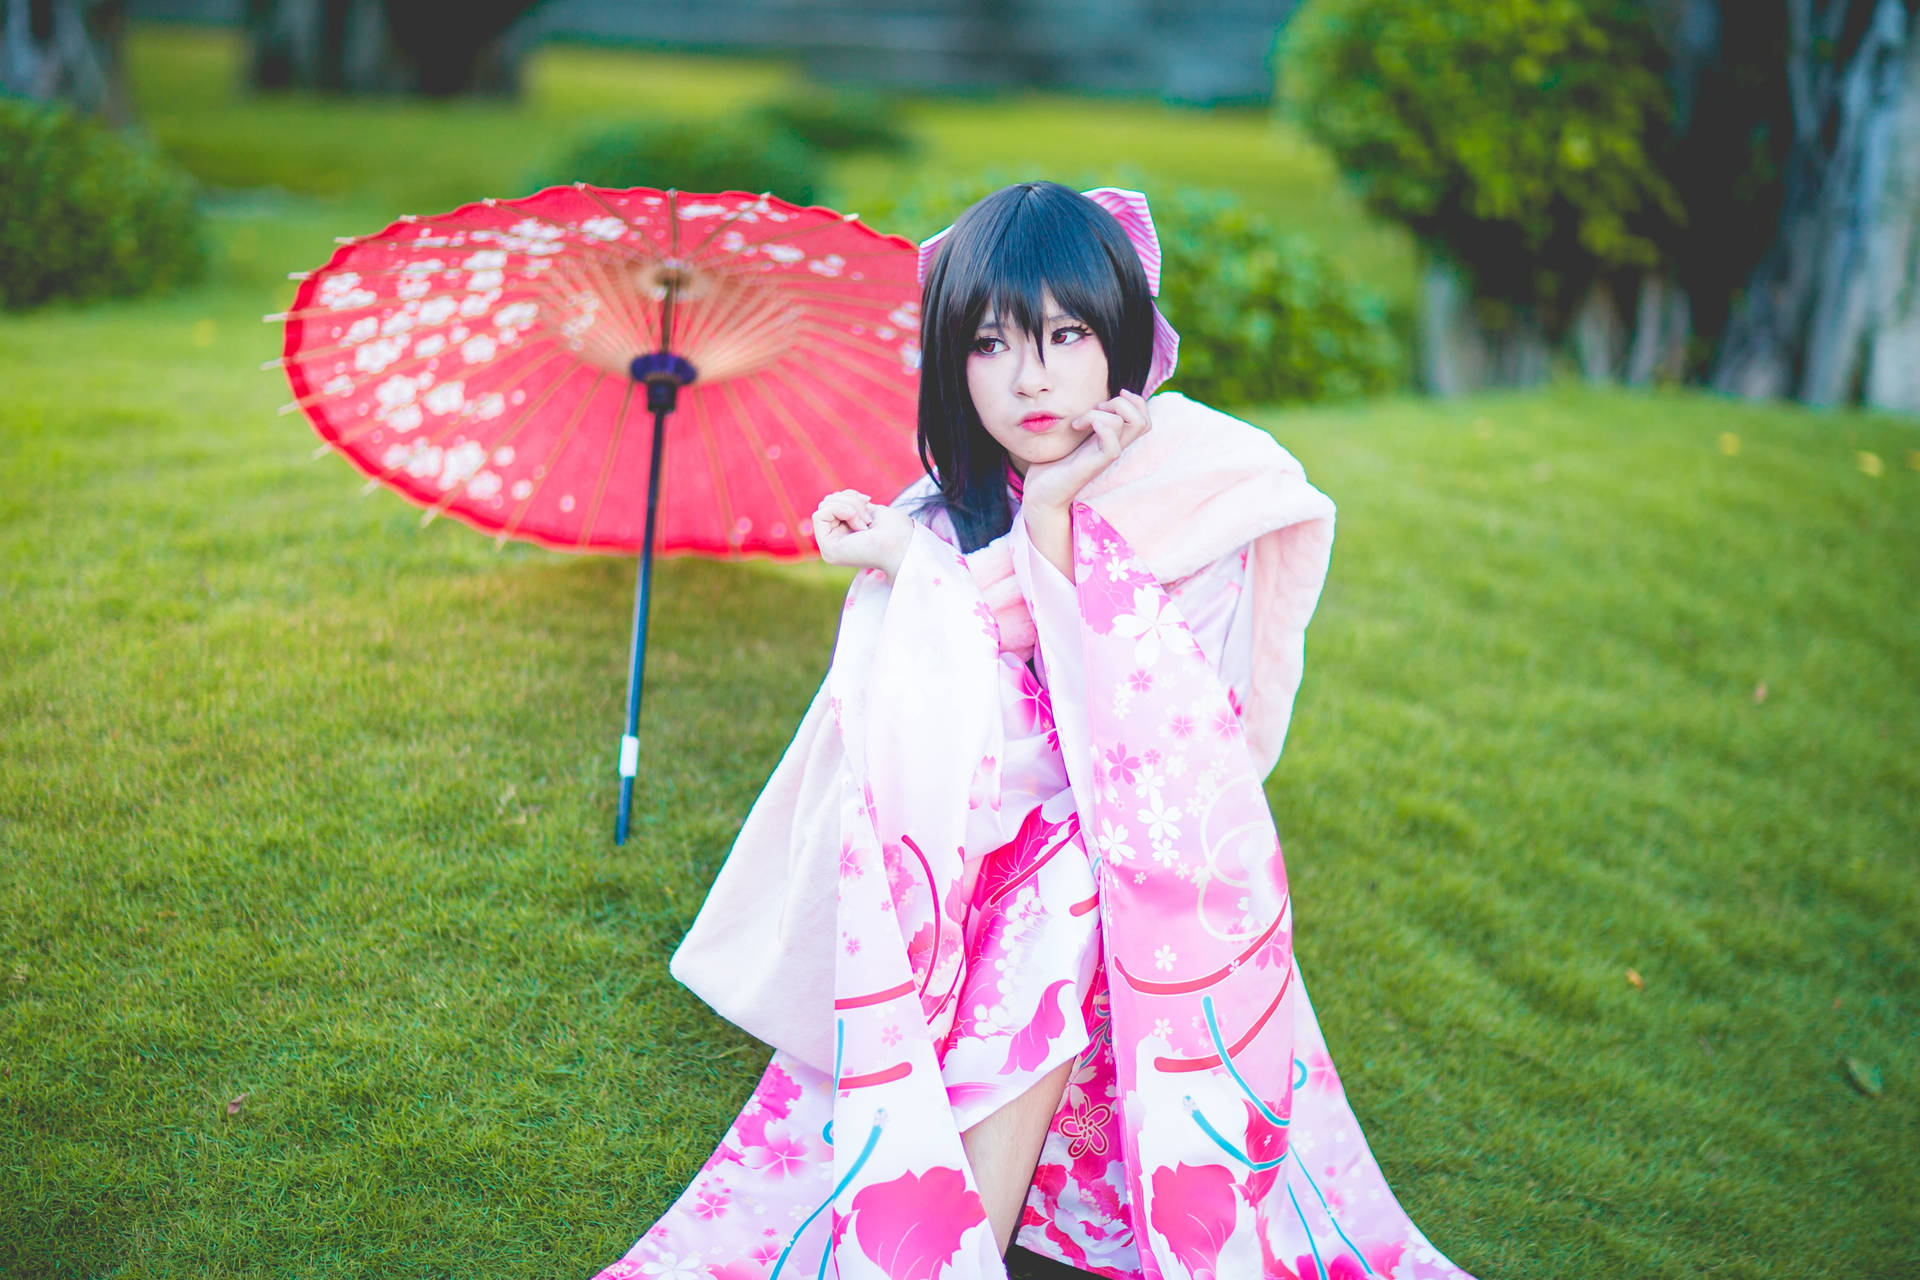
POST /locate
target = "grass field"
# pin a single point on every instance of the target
(303, 803)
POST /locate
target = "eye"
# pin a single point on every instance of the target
(1078, 331)
(984, 346)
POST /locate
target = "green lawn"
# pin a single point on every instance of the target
(302, 802)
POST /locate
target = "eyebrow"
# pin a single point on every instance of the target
(1055, 318)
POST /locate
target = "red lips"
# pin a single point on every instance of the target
(1038, 422)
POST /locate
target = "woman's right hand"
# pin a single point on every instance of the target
(851, 529)
(1111, 426)
(1049, 488)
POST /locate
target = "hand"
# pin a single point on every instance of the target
(851, 530)
(1111, 425)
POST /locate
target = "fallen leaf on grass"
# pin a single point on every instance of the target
(1639, 983)
(1864, 1076)
(1729, 444)
(1760, 693)
(233, 1108)
(1869, 463)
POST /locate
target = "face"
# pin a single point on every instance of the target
(1024, 404)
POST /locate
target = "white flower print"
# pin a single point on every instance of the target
(1151, 625)
(1112, 842)
(516, 315)
(1163, 959)
(1162, 1028)
(672, 1267)
(1160, 818)
(377, 355)
(447, 397)
(437, 310)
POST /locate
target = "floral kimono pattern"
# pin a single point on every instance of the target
(1070, 864)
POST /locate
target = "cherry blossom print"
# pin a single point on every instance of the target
(1151, 624)
(1112, 842)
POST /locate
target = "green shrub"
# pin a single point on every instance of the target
(88, 214)
(1515, 136)
(1264, 317)
(837, 120)
(726, 155)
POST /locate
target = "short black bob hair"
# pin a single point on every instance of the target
(1004, 251)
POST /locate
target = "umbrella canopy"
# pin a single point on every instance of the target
(480, 363)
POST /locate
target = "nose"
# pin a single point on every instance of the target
(1030, 376)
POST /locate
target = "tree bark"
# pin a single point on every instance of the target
(66, 51)
(1809, 319)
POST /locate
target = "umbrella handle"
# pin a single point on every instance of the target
(642, 598)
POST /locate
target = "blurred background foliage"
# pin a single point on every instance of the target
(88, 213)
(1517, 136)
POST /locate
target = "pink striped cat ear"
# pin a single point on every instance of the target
(1129, 208)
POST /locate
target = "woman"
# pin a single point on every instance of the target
(1011, 909)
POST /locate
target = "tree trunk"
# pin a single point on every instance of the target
(67, 51)
(1461, 352)
(386, 46)
(1893, 253)
(1809, 319)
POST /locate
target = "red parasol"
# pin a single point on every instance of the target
(499, 363)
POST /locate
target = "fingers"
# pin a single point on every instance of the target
(847, 507)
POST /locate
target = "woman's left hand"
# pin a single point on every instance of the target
(851, 529)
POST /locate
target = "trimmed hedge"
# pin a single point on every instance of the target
(1264, 316)
(87, 214)
(725, 155)
(837, 120)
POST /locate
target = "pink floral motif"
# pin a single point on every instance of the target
(911, 1225)
(1121, 765)
(1033, 1042)
(1266, 1141)
(711, 1203)
(1086, 1129)
(1193, 1209)
(780, 1156)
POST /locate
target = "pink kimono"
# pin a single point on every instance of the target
(1022, 825)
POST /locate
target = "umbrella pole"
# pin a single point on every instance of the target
(643, 593)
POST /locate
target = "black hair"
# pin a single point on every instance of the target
(1005, 251)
